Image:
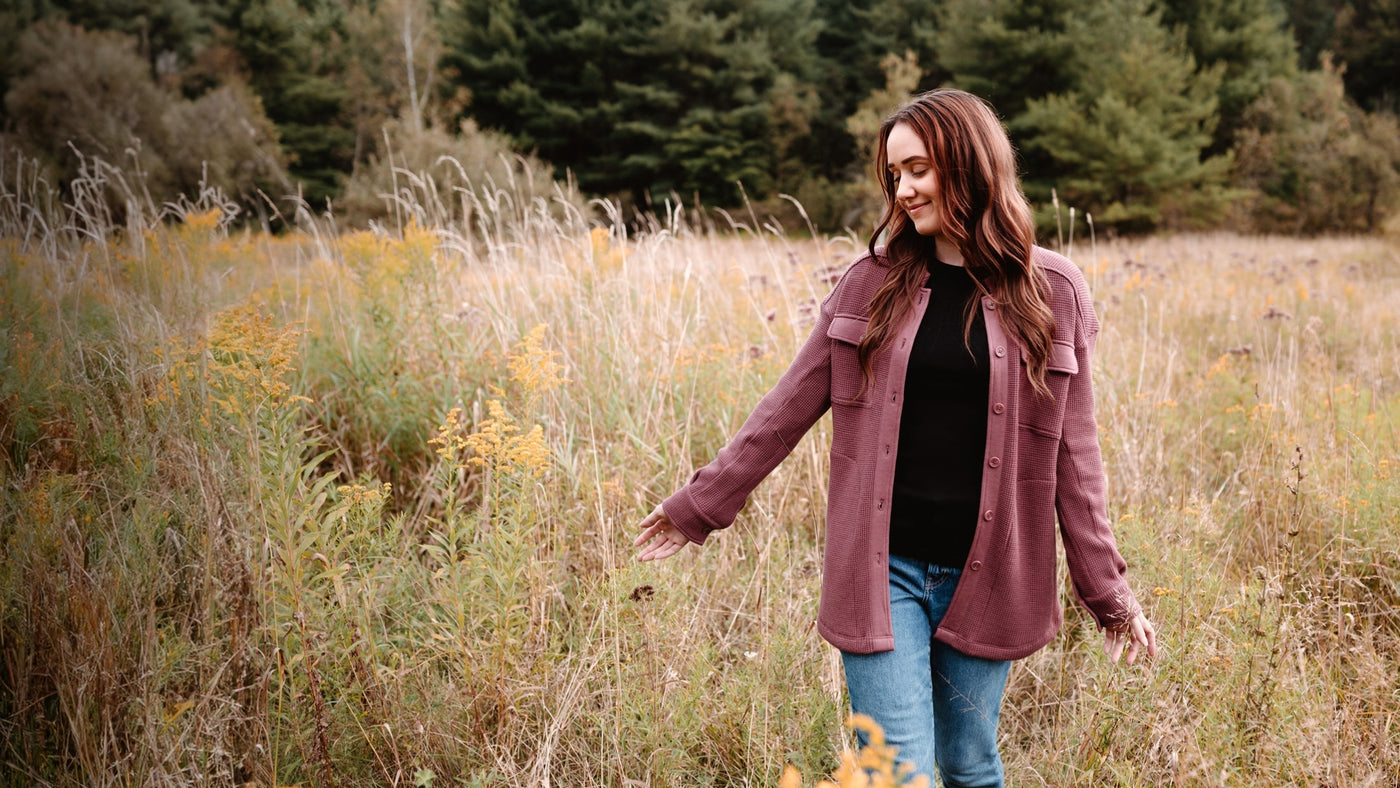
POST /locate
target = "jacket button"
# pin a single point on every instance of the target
(994, 462)
(992, 305)
(881, 504)
(894, 398)
(1001, 351)
(998, 408)
(987, 515)
(887, 450)
(975, 566)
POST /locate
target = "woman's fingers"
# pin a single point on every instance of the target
(663, 544)
(1138, 636)
(663, 548)
(648, 531)
(659, 538)
(1144, 634)
(651, 525)
(1113, 644)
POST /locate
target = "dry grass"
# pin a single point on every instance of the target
(335, 510)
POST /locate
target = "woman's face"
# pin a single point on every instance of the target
(916, 183)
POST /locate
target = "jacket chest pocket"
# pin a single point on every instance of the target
(845, 334)
(1045, 415)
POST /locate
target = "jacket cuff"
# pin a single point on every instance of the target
(681, 510)
(1115, 609)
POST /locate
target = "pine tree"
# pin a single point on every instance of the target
(1128, 135)
(854, 40)
(1313, 23)
(1248, 39)
(1107, 104)
(296, 65)
(642, 96)
(1367, 43)
(1010, 51)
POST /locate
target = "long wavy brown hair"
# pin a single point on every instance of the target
(984, 214)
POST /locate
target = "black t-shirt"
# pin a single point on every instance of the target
(942, 427)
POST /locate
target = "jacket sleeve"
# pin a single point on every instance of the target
(715, 493)
(1095, 565)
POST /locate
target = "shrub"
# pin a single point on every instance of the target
(81, 93)
(1316, 161)
(447, 174)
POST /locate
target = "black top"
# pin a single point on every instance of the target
(942, 427)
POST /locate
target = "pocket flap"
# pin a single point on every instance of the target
(1062, 358)
(847, 329)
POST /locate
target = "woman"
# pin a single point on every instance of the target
(955, 360)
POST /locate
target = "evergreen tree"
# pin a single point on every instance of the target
(1107, 104)
(1127, 135)
(1313, 23)
(1011, 51)
(1362, 36)
(853, 43)
(296, 65)
(1248, 39)
(168, 34)
(901, 81)
(643, 96)
(1366, 42)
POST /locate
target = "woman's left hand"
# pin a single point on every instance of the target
(1137, 635)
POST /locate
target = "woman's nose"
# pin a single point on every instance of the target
(903, 191)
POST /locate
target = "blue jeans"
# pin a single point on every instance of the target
(937, 705)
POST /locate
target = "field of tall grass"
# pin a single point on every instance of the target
(329, 508)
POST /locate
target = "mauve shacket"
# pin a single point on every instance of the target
(1042, 458)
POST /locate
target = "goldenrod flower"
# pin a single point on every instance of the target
(497, 443)
(873, 767)
(533, 366)
(250, 360)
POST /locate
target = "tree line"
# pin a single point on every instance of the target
(1273, 114)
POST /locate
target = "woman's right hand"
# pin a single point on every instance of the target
(659, 538)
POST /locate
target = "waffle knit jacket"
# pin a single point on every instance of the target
(1042, 459)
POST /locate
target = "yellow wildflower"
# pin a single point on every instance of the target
(497, 443)
(450, 444)
(533, 366)
(873, 767)
(250, 360)
(203, 222)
